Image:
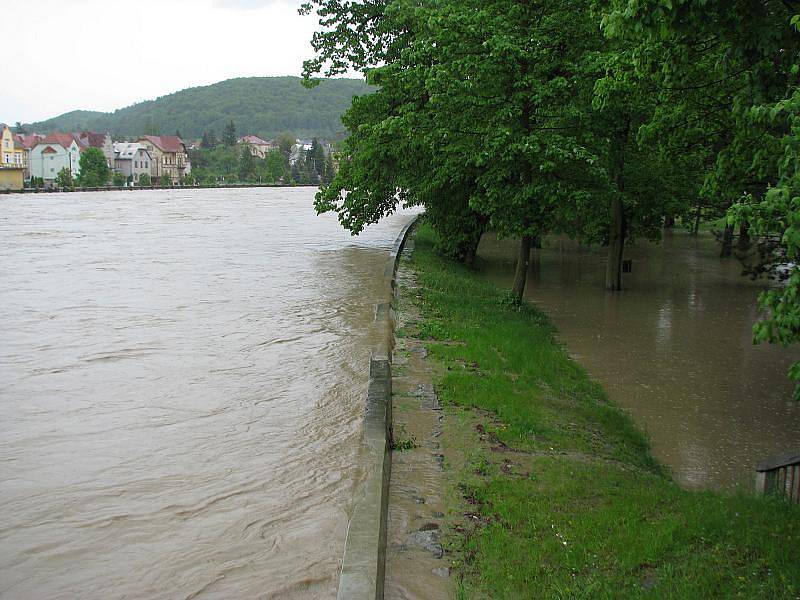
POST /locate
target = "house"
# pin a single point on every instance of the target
(55, 152)
(25, 143)
(257, 146)
(102, 141)
(169, 156)
(10, 154)
(132, 160)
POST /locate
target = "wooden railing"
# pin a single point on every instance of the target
(780, 475)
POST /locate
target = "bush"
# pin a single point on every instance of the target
(119, 179)
(144, 179)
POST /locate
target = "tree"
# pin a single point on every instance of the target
(328, 170)
(64, 178)
(247, 164)
(94, 171)
(209, 141)
(119, 179)
(20, 128)
(285, 142)
(165, 180)
(734, 70)
(316, 157)
(229, 134)
(144, 180)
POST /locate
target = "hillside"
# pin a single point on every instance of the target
(263, 106)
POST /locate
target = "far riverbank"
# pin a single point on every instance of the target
(143, 188)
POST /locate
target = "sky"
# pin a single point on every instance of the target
(63, 55)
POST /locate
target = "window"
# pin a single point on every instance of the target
(146, 165)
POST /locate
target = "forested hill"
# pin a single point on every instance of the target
(264, 106)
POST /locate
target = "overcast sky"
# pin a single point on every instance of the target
(107, 54)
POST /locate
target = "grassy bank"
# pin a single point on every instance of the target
(555, 494)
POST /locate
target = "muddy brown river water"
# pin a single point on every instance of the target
(675, 349)
(182, 378)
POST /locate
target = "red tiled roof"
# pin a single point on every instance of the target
(254, 140)
(91, 139)
(27, 141)
(63, 139)
(49, 150)
(165, 143)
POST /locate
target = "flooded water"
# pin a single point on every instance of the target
(675, 349)
(182, 380)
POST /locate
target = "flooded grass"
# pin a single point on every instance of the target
(558, 495)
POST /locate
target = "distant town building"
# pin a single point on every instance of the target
(258, 147)
(132, 160)
(25, 143)
(168, 154)
(12, 171)
(55, 152)
(102, 141)
(10, 154)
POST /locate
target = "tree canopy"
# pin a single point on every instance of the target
(600, 120)
(94, 171)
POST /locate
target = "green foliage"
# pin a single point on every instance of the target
(598, 120)
(229, 134)
(264, 106)
(119, 179)
(64, 178)
(94, 171)
(209, 141)
(732, 75)
(144, 179)
(247, 165)
(165, 180)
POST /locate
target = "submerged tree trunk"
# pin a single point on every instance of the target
(618, 225)
(521, 273)
(743, 245)
(727, 242)
(616, 244)
(697, 215)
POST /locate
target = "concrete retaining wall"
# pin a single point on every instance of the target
(364, 560)
(141, 188)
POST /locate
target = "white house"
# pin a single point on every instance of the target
(57, 151)
(132, 160)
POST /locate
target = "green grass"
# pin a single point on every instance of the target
(560, 489)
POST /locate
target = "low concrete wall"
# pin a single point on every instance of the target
(139, 188)
(364, 560)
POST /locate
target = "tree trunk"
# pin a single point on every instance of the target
(616, 244)
(697, 215)
(471, 254)
(743, 244)
(521, 274)
(618, 226)
(669, 221)
(727, 242)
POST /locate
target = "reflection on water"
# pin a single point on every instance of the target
(182, 381)
(675, 348)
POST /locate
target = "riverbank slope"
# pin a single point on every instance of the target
(555, 493)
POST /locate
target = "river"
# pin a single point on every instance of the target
(674, 348)
(182, 382)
